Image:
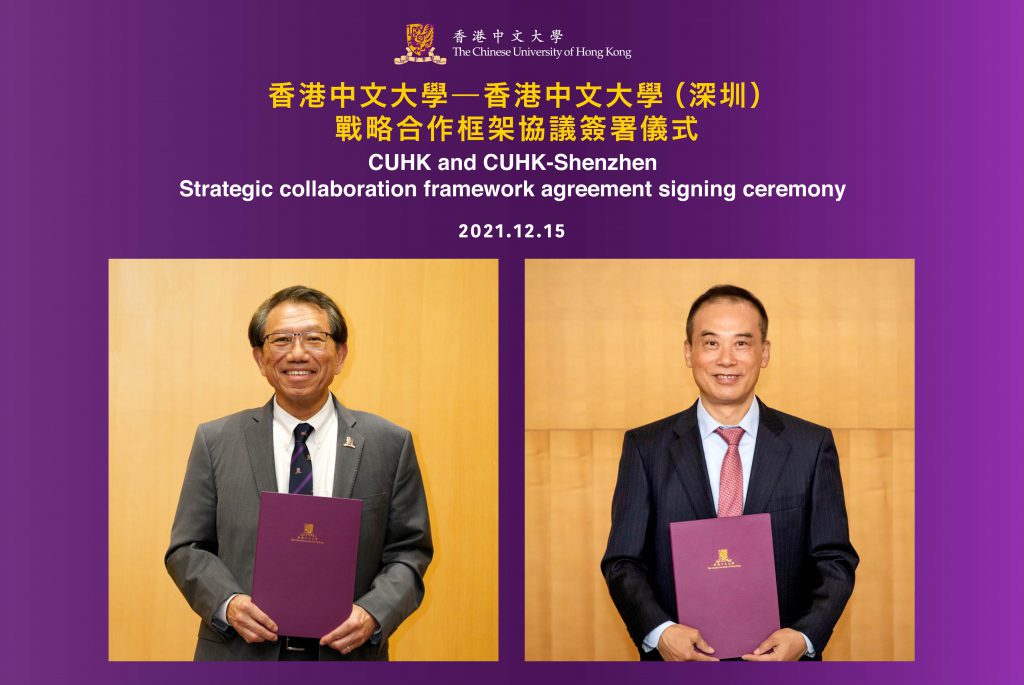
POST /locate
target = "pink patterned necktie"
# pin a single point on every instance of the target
(730, 487)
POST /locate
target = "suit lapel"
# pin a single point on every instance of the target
(349, 452)
(770, 454)
(688, 459)
(259, 443)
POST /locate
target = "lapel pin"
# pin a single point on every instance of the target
(349, 442)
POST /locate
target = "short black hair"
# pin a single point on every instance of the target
(298, 293)
(727, 292)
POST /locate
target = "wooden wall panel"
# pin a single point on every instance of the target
(903, 553)
(611, 640)
(868, 480)
(537, 557)
(423, 353)
(569, 615)
(569, 466)
(605, 354)
(606, 339)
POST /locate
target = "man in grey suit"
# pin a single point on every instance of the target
(730, 454)
(299, 342)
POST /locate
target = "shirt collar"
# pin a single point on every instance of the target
(707, 425)
(317, 420)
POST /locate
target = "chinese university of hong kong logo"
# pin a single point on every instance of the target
(419, 45)
(723, 561)
(308, 535)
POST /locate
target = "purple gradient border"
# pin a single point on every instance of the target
(916, 106)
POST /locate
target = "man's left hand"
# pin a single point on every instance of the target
(351, 634)
(782, 645)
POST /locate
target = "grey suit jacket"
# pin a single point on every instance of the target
(795, 477)
(213, 539)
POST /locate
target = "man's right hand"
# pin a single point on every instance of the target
(251, 623)
(683, 643)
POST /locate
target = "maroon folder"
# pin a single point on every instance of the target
(725, 581)
(306, 561)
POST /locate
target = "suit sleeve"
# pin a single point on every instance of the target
(624, 564)
(830, 552)
(191, 559)
(397, 590)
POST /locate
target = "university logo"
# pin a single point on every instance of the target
(723, 561)
(308, 535)
(419, 45)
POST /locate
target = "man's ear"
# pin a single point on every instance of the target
(766, 353)
(257, 354)
(340, 358)
(687, 351)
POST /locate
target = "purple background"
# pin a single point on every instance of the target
(916, 107)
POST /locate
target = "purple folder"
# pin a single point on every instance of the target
(305, 570)
(725, 581)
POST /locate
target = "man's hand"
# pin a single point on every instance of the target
(683, 643)
(251, 623)
(351, 634)
(782, 645)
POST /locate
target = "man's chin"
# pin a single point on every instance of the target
(306, 399)
(302, 386)
(304, 396)
(736, 399)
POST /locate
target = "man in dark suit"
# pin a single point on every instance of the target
(299, 343)
(730, 454)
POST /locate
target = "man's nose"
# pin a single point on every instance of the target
(297, 352)
(726, 357)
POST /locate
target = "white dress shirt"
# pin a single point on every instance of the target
(322, 444)
(323, 448)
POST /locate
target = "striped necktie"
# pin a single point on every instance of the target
(300, 482)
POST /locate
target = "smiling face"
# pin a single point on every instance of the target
(727, 354)
(301, 378)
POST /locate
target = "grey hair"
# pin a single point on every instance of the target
(298, 293)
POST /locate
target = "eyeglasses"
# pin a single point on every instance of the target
(311, 340)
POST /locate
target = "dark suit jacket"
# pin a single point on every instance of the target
(213, 539)
(794, 477)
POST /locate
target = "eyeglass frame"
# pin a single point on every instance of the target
(301, 335)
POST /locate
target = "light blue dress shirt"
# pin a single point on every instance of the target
(714, 454)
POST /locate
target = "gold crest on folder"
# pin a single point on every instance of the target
(308, 535)
(723, 561)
